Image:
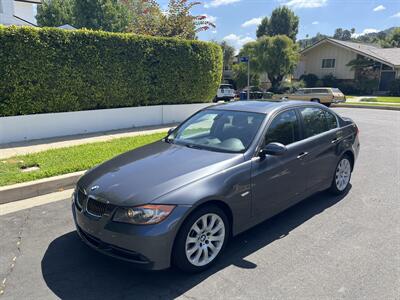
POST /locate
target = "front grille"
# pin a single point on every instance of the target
(80, 199)
(97, 208)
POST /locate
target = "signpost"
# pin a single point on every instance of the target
(247, 59)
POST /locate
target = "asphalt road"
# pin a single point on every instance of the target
(325, 247)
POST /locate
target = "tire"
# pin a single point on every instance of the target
(315, 100)
(327, 104)
(342, 176)
(188, 243)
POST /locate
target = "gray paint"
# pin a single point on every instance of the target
(253, 188)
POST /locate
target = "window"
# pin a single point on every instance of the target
(316, 121)
(218, 130)
(331, 120)
(284, 129)
(319, 91)
(328, 63)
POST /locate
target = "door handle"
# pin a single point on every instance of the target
(335, 140)
(302, 154)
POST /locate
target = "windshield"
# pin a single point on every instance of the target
(218, 130)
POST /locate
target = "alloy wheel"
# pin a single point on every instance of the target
(343, 172)
(205, 239)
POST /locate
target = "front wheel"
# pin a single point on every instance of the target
(201, 239)
(342, 176)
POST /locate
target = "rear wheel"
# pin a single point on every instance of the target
(342, 176)
(327, 104)
(201, 239)
(315, 100)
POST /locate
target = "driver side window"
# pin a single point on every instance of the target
(284, 129)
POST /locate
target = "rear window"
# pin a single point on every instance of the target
(225, 86)
(335, 90)
(319, 91)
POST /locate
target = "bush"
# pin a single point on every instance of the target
(330, 81)
(53, 70)
(395, 88)
(290, 87)
(310, 80)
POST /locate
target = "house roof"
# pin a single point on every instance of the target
(390, 56)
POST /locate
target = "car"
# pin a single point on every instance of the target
(324, 95)
(225, 92)
(228, 167)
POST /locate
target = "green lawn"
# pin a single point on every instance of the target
(370, 104)
(388, 99)
(67, 160)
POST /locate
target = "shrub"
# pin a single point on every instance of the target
(395, 88)
(330, 81)
(54, 70)
(310, 80)
(290, 87)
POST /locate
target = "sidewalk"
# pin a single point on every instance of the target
(20, 148)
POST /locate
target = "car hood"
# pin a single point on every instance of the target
(142, 175)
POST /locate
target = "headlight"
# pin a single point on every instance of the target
(143, 215)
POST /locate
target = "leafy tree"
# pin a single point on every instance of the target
(229, 53)
(108, 15)
(240, 76)
(343, 34)
(283, 21)
(393, 40)
(53, 13)
(177, 21)
(310, 80)
(262, 28)
(277, 56)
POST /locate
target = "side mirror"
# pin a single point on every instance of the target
(171, 130)
(273, 149)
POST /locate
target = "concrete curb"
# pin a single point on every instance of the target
(39, 187)
(367, 106)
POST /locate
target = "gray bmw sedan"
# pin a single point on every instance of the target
(225, 169)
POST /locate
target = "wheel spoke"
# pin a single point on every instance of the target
(205, 239)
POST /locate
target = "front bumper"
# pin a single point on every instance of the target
(147, 246)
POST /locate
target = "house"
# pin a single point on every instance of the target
(18, 12)
(330, 56)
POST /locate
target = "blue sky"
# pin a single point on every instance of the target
(237, 20)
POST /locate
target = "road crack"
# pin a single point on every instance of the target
(14, 259)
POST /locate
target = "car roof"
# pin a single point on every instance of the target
(263, 107)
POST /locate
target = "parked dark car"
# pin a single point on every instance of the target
(225, 169)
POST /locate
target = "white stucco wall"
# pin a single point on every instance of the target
(31, 127)
(9, 8)
(25, 11)
(311, 61)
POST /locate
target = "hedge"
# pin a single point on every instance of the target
(54, 70)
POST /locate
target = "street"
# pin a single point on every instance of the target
(325, 247)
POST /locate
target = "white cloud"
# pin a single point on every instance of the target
(365, 31)
(252, 22)
(379, 8)
(211, 19)
(315, 23)
(306, 3)
(237, 41)
(396, 15)
(216, 3)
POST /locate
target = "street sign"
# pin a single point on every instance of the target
(244, 59)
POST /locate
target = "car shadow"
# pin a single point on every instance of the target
(72, 270)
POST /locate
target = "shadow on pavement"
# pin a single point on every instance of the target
(72, 270)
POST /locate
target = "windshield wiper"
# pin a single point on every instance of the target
(169, 141)
(194, 146)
